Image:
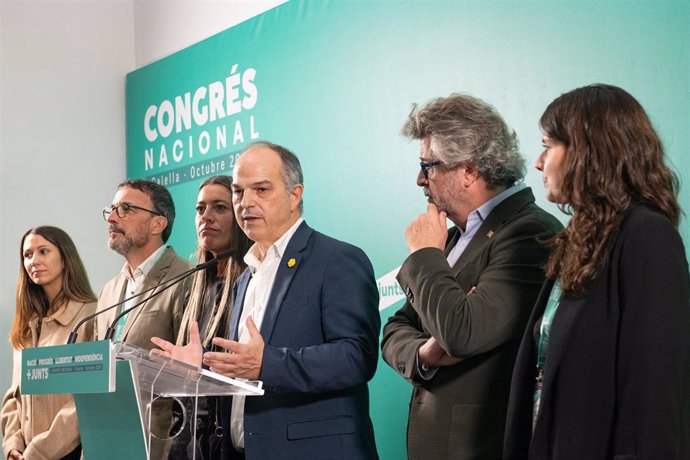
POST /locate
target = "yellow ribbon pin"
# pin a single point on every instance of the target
(291, 263)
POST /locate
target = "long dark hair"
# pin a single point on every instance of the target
(201, 281)
(31, 299)
(614, 160)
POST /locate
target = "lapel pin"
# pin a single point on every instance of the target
(490, 234)
(291, 263)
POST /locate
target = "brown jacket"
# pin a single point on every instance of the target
(44, 426)
(159, 317)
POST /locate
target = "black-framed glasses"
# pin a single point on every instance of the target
(426, 165)
(123, 209)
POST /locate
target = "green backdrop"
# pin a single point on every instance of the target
(334, 81)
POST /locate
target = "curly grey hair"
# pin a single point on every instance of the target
(465, 130)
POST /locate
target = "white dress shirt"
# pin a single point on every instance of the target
(255, 303)
(135, 281)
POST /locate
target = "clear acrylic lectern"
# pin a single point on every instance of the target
(120, 424)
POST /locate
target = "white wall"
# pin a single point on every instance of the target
(62, 131)
(62, 115)
(162, 27)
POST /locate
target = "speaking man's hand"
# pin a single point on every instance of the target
(243, 361)
(190, 353)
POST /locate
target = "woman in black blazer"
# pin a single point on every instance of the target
(603, 371)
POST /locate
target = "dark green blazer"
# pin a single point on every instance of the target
(460, 413)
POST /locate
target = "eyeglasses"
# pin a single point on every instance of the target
(426, 165)
(123, 209)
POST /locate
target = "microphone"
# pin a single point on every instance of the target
(166, 284)
(110, 332)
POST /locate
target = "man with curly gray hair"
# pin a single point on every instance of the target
(469, 289)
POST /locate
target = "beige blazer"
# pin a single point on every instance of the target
(159, 317)
(44, 426)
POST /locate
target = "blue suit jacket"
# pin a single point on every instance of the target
(321, 330)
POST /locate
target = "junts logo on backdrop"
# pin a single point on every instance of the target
(390, 291)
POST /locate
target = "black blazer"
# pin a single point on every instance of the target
(617, 373)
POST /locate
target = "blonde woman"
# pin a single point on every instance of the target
(208, 303)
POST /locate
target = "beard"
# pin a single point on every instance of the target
(123, 243)
(438, 200)
(450, 196)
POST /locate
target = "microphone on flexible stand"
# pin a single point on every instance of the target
(164, 284)
(110, 332)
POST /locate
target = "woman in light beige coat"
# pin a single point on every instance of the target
(53, 294)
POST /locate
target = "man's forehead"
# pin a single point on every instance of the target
(259, 156)
(251, 182)
(257, 164)
(128, 194)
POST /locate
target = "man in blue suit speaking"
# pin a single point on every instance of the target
(304, 320)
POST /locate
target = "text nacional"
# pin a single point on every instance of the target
(218, 104)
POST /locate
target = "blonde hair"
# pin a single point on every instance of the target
(201, 281)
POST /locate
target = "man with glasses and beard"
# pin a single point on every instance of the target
(140, 220)
(469, 289)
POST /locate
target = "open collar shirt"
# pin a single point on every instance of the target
(135, 281)
(255, 303)
(476, 218)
